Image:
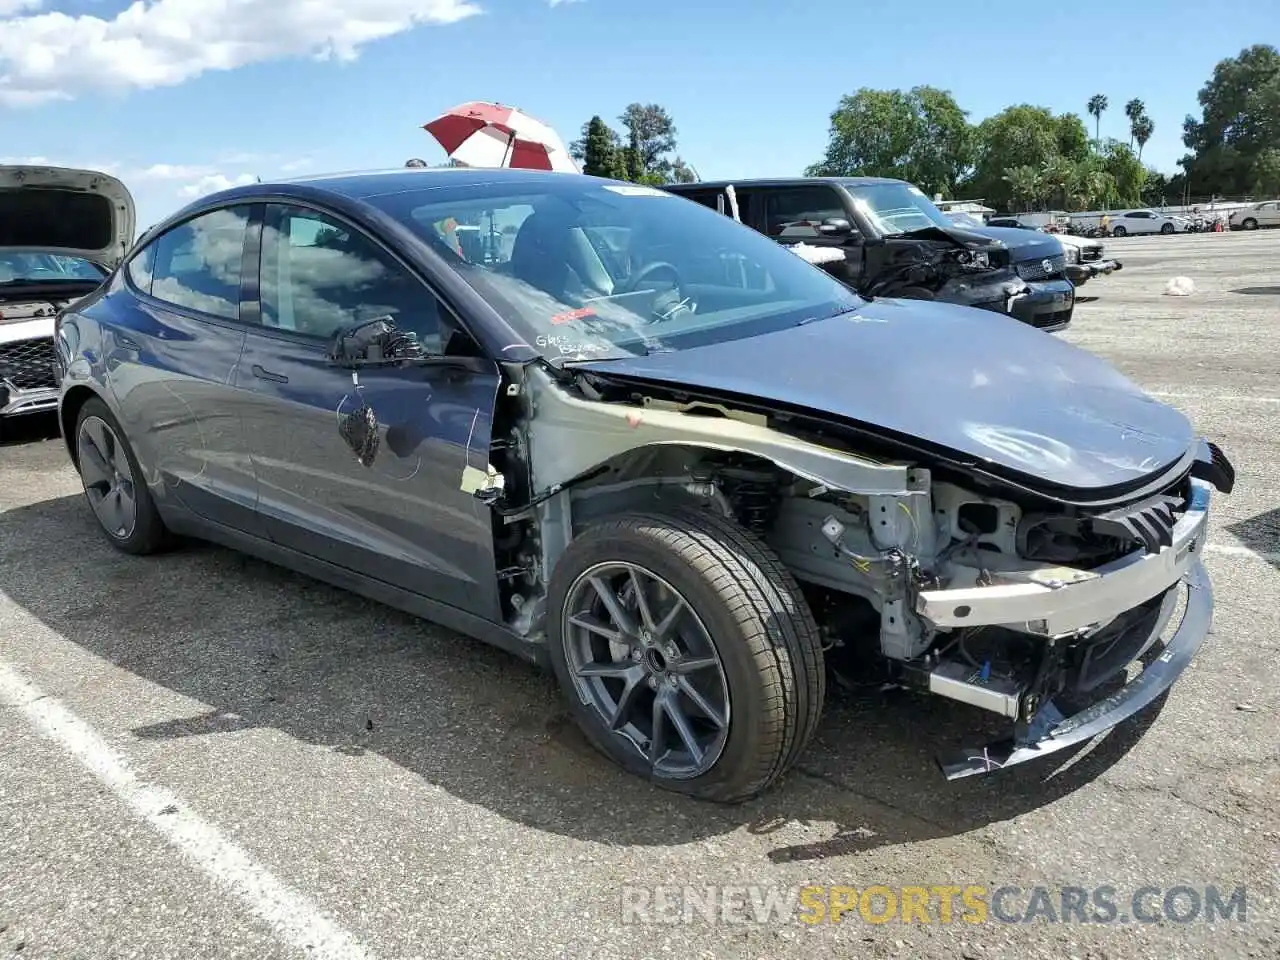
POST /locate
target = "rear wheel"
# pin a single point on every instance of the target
(1251, 224)
(687, 652)
(114, 483)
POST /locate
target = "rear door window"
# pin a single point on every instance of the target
(197, 264)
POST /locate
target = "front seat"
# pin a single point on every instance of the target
(540, 255)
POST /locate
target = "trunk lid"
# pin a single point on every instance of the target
(75, 213)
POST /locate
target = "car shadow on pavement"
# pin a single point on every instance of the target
(1261, 534)
(265, 648)
(1258, 291)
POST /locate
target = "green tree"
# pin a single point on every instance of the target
(1097, 107)
(599, 150)
(650, 137)
(919, 135)
(1073, 138)
(1125, 171)
(1266, 174)
(1023, 136)
(681, 172)
(1026, 187)
(1135, 109)
(1155, 188)
(1239, 123)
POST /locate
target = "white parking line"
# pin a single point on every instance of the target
(1212, 397)
(1233, 551)
(294, 918)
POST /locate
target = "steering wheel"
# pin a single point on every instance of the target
(666, 303)
(644, 273)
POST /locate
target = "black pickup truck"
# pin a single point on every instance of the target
(896, 243)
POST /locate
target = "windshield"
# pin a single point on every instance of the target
(895, 208)
(30, 266)
(585, 269)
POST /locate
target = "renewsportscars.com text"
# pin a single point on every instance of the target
(934, 904)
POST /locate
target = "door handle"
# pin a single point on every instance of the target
(263, 374)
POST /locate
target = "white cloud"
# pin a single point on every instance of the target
(213, 182)
(156, 43)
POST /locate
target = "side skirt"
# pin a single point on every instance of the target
(494, 634)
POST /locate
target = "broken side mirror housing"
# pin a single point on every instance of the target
(374, 342)
(835, 227)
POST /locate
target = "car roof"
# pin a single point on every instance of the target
(782, 182)
(363, 184)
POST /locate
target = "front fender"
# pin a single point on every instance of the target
(570, 436)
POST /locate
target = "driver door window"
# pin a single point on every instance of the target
(794, 214)
(320, 275)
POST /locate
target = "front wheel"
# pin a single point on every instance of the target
(687, 652)
(1167, 228)
(1119, 232)
(1251, 224)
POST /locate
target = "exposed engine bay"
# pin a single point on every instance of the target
(964, 587)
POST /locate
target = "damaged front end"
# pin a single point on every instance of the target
(1031, 609)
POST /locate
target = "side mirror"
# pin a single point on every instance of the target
(835, 227)
(375, 341)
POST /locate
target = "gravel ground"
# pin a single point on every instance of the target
(220, 759)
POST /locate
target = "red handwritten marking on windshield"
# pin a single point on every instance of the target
(572, 315)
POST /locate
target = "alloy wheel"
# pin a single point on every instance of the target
(641, 657)
(108, 477)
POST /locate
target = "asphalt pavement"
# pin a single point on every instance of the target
(205, 756)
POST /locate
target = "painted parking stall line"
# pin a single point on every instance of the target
(1227, 550)
(293, 917)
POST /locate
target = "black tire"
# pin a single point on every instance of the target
(1250, 224)
(1167, 228)
(148, 533)
(1119, 232)
(757, 619)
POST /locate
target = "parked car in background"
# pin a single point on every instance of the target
(1265, 214)
(681, 467)
(897, 243)
(1128, 222)
(61, 231)
(1084, 254)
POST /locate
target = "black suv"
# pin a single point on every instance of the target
(896, 243)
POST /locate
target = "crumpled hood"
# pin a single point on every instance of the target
(983, 386)
(78, 213)
(1023, 244)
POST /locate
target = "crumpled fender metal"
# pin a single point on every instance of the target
(570, 436)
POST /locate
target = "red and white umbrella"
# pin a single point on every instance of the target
(484, 134)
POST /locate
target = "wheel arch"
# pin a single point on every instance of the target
(72, 402)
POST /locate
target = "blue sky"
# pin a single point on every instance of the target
(182, 96)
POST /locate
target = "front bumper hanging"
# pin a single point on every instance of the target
(1052, 732)
(1051, 607)
(1085, 271)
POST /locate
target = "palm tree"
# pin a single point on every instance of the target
(1143, 127)
(1097, 107)
(1135, 109)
